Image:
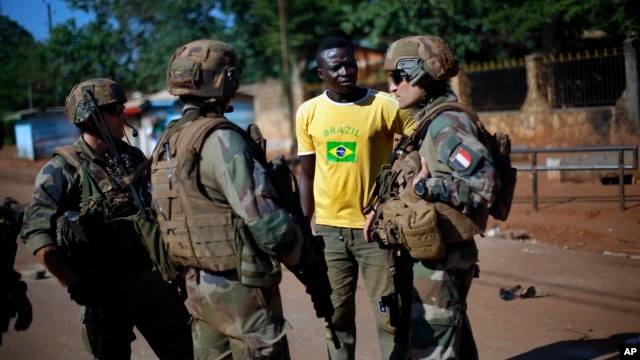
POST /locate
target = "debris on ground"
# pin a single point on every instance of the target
(518, 292)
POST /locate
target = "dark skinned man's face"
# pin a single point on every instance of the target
(339, 69)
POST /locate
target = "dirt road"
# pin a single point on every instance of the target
(578, 248)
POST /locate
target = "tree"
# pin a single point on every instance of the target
(480, 30)
(19, 68)
(150, 31)
(96, 50)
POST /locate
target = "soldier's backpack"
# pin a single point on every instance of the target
(499, 144)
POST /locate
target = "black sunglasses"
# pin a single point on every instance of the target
(398, 76)
(113, 109)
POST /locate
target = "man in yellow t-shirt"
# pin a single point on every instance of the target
(344, 137)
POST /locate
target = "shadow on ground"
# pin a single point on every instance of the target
(603, 349)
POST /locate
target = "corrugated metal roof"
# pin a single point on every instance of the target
(136, 106)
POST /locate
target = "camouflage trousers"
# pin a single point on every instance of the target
(147, 302)
(233, 321)
(347, 254)
(440, 328)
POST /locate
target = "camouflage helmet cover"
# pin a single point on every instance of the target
(422, 55)
(204, 68)
(105, 91)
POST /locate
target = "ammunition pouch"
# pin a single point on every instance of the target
(413, 227)
(82, 239)
(95, 246)
(255, 267)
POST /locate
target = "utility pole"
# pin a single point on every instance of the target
(286, 71)
(55, 83)
(49, 17)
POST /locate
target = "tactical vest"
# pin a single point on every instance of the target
(196, 232)
(394, 182)
(102, 234)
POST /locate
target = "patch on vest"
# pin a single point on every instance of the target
(461, 159)
(382, 308)
(341, 151)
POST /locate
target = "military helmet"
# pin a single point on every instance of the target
(105, 91)
(204, 68)
(421, 55)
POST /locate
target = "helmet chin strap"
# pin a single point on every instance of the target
(415, 78)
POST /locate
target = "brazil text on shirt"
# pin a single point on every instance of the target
(347, 130)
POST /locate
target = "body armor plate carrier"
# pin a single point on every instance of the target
(196, 232)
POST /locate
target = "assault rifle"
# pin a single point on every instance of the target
(312, 268)
(146, 223)
(128, 178)
(312, 273)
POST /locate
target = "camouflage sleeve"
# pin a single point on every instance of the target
(57, 189)
(232, 174)
(470, 178)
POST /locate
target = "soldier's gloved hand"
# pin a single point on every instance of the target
(22, 306)
(86, 293)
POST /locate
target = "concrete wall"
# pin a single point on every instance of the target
(537, 124)
(272, 115)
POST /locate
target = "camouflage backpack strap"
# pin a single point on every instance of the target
(71, 154)
(420, 131)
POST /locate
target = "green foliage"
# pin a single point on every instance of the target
(132, 41)
(480, 30)
(19, 56)
(150, 31)
(257, 34)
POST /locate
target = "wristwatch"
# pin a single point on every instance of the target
(421, 188)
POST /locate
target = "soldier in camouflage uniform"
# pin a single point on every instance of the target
(215, 200)
(103, 265)
(457, 174)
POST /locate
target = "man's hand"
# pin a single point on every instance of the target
(368, 224)
(422, 174)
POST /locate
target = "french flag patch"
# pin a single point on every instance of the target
(461, 159)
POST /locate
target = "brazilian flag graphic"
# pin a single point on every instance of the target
(341, 151)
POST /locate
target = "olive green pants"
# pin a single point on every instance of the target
(440, 328)
(347, 254)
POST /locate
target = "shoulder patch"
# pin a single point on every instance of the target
(461, 159)
(464, 159)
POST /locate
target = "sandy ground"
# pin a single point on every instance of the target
(578, 247)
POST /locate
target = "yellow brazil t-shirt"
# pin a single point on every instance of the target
(351, 142)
